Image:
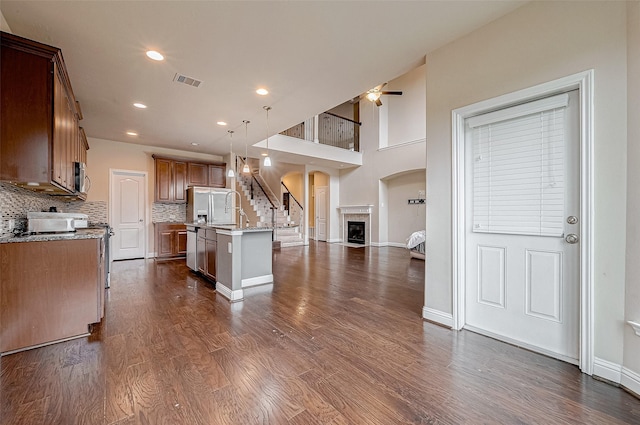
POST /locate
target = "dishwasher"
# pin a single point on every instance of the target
(192, 260)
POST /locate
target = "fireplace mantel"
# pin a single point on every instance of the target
(356, 212)
(355, 209)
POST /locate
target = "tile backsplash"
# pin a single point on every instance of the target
(168, 212)
(16, 202)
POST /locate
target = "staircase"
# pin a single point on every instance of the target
(286, 231)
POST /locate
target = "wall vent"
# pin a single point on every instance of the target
(190, 81)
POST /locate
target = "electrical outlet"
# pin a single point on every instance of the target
(421, 194)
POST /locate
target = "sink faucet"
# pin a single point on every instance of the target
(239, 207)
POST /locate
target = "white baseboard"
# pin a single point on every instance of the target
(258, 280)
(631, 380)
(617, 374)
(233, 296)
(397, 245)
(607, 370)
(378, 244)
(334, 240)
(437, 316)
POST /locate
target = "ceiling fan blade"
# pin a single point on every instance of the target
(378, 102)
(378, 88)
(391, 92)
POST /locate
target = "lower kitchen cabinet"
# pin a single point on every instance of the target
(207, 246)
(52, 300)
(171, 240)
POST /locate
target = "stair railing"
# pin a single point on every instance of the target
(264, 188)
(294, 208)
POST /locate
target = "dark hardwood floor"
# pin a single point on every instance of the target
(339, 340)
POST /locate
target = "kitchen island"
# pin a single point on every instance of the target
(52, 287)
(243, 257)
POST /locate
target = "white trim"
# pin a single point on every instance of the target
(437, 316)
(583, 81)
(607, 370)
(631, 381)
(233, 296)
(635, 326)
(402, 144)
(397, 244)
(258, 280)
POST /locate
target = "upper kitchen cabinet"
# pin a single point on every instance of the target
(40, 138)
(174, 175)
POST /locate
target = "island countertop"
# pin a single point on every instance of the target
(88, 233)
(229, 227)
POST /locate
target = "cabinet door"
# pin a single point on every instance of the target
(83, 147)
(197, 174)
(180, 181)
(217, 176)
(201, 254)
(181, 242)
(165, 242)
(58, 151)
(210, 248)
(164, 187)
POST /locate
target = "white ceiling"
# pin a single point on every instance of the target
(311, 55)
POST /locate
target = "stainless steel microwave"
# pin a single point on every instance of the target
(82, 183)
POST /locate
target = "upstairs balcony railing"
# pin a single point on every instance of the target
(328, 129)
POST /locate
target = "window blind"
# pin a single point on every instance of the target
(519, 169)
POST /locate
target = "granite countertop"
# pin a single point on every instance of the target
(44, 237)
(231, 227)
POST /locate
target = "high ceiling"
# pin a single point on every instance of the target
(310, 55)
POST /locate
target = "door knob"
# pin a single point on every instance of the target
(572, 238)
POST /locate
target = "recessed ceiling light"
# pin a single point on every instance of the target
(195, 144)
(140, 105)
(221, 123)
(156, 56)
(262, 92)
(132, 133)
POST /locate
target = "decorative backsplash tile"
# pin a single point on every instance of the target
(96, 210)
(16, 202)
(168, 212)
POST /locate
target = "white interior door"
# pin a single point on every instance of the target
(128, 214)
(321, 213)
(522, 226)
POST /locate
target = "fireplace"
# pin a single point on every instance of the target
(356, 232)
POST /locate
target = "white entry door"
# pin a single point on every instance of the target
(522, 225)
(128, 214)
(321, 213)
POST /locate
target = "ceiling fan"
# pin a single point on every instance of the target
(374, 94)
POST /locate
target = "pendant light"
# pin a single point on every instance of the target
(267, 160)
(230, 173)
(246, 169)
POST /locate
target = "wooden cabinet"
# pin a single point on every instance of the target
(55, 300)
(39, 147)
(174, 175)
(217, 175)
(171, 240)
(198, 174)
(206, 251)
(171, 180)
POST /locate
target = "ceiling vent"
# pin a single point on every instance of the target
(179, 78)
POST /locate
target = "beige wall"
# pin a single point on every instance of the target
(399, 190)
(539, 42)
(402, 136)
(104, 155)
(406, 113)
(632, 296)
